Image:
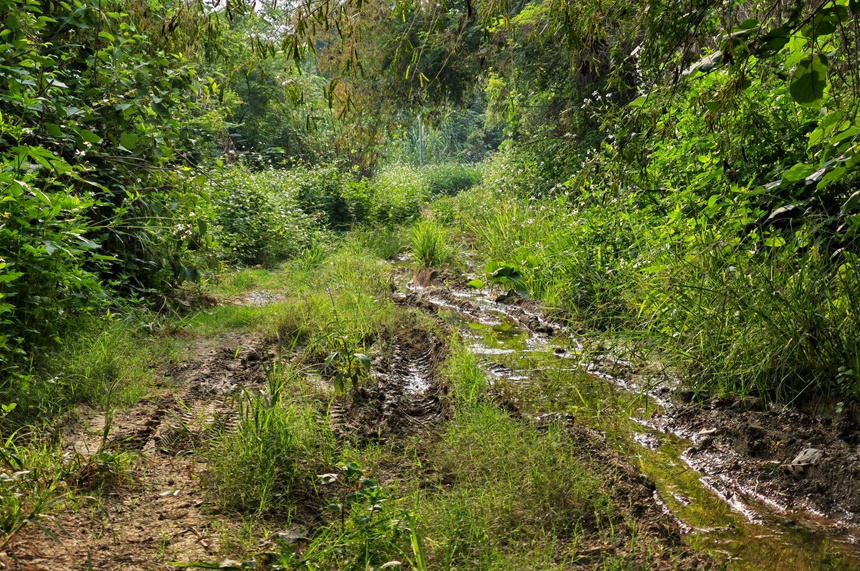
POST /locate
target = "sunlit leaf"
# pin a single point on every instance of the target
(809, 81)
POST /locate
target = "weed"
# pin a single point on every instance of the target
(385, 243)
(430, 244)
(450, 178)
(32, 484)
(269, 464)
(348, 367)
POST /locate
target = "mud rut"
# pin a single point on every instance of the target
(162, 515)
(748, 454)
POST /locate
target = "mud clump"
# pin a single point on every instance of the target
(407, 394)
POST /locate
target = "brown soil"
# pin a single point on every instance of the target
(158, 513)
(751, 452)
(407, 394)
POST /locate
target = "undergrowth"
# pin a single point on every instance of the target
(735, 306)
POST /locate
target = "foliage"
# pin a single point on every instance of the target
(90, 183)
(430, 244)
(350, 368)
(451, 178)
(517, 487)
(399, 192)
(32, 485)
(257, 218)
(269, 464)
(374, 535)
(105, 361)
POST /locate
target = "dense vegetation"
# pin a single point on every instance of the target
(678, 176)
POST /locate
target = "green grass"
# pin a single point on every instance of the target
(512, 485)
(106, 363)
(450, 178)
(431, 244)
(762, 315)
(269, 465)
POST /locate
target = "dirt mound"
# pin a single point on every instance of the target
(407, 394)
(753, 450)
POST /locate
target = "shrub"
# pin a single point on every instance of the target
(450, 178)
(257, 219)
(399, 191)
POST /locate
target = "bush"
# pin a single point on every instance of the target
(399, 191)
(335, 197)
(450, 178)
(257, 218)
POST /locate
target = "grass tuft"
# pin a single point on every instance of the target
(431, 244)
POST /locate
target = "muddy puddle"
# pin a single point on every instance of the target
(535, 370)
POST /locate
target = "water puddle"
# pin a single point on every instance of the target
(541, 374)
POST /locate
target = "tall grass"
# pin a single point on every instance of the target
(269, 465)
(737, 311)
(782, 325)
(431, 244)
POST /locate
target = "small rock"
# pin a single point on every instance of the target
(807, 457)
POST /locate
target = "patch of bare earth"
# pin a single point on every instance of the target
(794, 462)
(406, 395)
(158, 513)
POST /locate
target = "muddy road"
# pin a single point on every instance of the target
(746, 482)
(687, 480)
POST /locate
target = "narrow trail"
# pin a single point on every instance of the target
(700, 479)
(160, 513)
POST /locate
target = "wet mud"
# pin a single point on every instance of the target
(766, 486)
(406, 394)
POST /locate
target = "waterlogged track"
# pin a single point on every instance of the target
(726, 506)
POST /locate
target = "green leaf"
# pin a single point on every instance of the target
(775, 242)
(53, 130)
(89, 136)
(160, 109)
(364, 360)
(477, 284)
(129, 140)
(797, 173)
(823, 24)
(809, 80)
(851, 204)
(638, 102)
(330, 359)
(772, 42)
(833, 176)
(199, 180)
